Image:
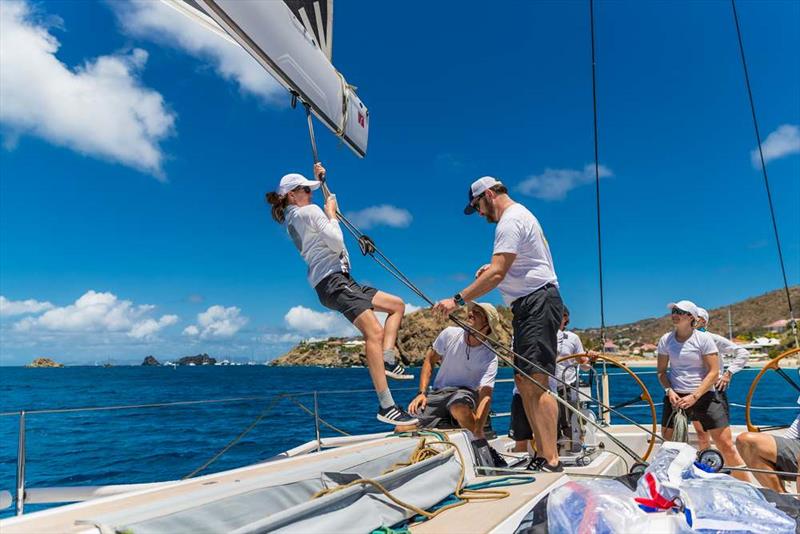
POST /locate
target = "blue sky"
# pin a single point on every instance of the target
(136, 154)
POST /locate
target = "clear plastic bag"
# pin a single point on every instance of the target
(720, 503)
(662, 478)
(593, 507)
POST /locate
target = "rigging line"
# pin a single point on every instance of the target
(238, 438)
(764, 171)
(597, 182)
(486, 342)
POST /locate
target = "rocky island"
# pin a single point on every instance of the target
(44, 362)
(151, 361)
(200, 359)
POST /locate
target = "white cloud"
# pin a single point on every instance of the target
(191, 330)
(306, 321)
(217, 322)
(384, 214)
(410, 308)
(99, 109)
(782, 142)
(554, 184)
(149, 327)
(22, 307)
(161, 23)
(99, 312)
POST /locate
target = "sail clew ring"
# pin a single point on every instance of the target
(772, 364)
(644, 396)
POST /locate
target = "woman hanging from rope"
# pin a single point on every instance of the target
(693, 363)
(317, 236)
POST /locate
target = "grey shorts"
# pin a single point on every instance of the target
(788, 450)
(439, 402)
(339, 292)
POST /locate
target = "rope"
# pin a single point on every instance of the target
(423, 452)
(238, 438)
(320, 419)
(597, 183)
(764, 172)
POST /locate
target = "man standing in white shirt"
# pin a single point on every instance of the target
(522, 269)
(733, 359)
(567, 372)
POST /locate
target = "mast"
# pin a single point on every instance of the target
(730, 325)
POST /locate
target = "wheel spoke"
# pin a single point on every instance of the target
(787, 378)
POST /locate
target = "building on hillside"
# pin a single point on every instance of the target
(649, 350)
(778, 326)
(610, 347)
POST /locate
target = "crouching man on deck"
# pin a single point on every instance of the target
(465, 381)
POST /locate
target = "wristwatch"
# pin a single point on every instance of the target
(459, 299)
(420, 392)
(667, 390)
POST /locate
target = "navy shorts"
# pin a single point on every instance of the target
(537, 318)
(339, 292)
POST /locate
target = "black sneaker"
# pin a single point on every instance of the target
(535, 464)
(395, 415)
(397, 371)
(547, 468)
(499, 461)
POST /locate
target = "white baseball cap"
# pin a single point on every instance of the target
(702, 313)
(293, 180)
(477, 188)
(685, 305)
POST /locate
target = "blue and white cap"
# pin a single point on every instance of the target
(477, 188)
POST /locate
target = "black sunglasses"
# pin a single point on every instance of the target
(305, 188)
(477, 200)
(676, 311)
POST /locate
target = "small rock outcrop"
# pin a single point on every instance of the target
(200, 359)
(44, 362)
(151, 361)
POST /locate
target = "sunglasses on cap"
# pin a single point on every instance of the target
(678, 311)
(303, 187)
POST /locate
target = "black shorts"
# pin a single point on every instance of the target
(710, 410)
(437, 410)
(520, 428)
(339, 292)
(537, 318)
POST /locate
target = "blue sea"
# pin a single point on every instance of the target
(156, 444)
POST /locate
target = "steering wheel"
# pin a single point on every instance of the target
(772, 364)
(644, 396)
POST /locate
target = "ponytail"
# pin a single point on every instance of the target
(278, 204)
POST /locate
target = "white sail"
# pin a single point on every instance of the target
(292, 41)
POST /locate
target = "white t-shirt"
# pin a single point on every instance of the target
(518, 232)
(686, 369)
(793, 432)
(462, 365)
(568, 344)
(319, 240)
(733, 358)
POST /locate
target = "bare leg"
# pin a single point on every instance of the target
(481, 414)
(667, 432)
(723, 439)
(542, 412)
(372, 330)
(395, 307)
(703, 440)
(465, 417)
(520, 446)
(759, 451)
